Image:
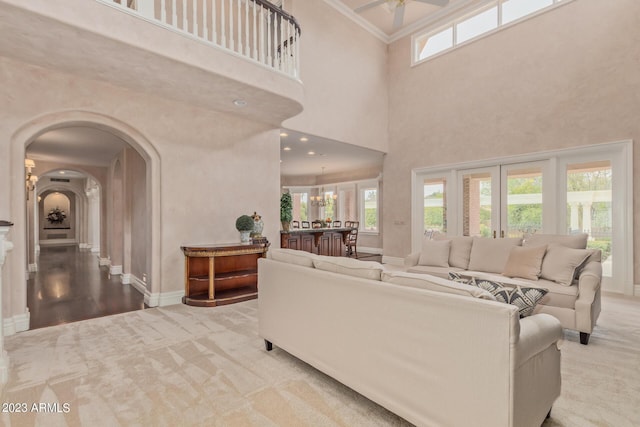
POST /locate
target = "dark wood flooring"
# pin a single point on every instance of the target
(70, 286)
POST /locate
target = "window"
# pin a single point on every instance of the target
(347, 203)
(300, 205)
(435, 206)
(369, 208)
(475, 23)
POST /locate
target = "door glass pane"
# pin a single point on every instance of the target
(589, 203)
(476, 204)
(524, 202)
(435, 206)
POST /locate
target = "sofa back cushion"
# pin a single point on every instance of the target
(292, 256)
(525, 262)
(460, 251)
(435, 253)
(432, 283)
(491, 255)
(560, 263)
(575, 241)
(351, 267)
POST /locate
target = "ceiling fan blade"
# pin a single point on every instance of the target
(398, 17)
(369, 6)
(441, 3)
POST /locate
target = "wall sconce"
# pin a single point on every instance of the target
(30, 179)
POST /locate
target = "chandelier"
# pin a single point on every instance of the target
(321, 200)
(30, 179)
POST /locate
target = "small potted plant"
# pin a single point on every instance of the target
(244, 224)
(286, 208)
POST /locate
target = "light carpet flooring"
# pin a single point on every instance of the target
(184, 366)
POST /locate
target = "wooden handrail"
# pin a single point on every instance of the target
(268, 5)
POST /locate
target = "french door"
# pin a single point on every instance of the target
(508, 200)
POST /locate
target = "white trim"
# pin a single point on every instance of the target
(157, 299)
(58, 242)
(17, 323)
(115, 270)
(95, 250)
(392, 260)
(125, 278)
(32, 268)
(104, 262)
(84, 246)
(358, 19)
(138, 285)
(369, 250)
(170, 298)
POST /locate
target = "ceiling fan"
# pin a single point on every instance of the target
(398, 7)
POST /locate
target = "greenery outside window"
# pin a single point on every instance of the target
(369, 207)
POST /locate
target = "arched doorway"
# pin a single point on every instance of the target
(129, 178)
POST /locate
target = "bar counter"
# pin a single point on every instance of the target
(322, 241)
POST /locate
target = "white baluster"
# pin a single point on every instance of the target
(255, 34)
(269, 58)
(174, 13)
(261, 46)
(282, 53)
(214, 18)
(205, 15)
(239, 44)
(185, 24)
(247, 48)
(231, 41)
(194, 24)
(289, 50)
(163, 11)
(223, 31)
(297, 35)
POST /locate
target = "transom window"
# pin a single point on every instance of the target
(482, 21)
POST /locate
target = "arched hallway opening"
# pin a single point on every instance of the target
(70, 286)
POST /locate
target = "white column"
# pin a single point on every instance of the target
(5, 246)
(575, 222)
(586, 217)
(93, 195)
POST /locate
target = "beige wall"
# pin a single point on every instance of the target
(562, 79)
(212, 167)
(343, 68)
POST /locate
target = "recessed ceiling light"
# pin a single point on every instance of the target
(239, 103)
(304, 139)
(284, 134)
(287, 148)
(311, 153)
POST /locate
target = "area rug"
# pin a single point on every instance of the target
(190, 366)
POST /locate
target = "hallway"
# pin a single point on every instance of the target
(69, 286)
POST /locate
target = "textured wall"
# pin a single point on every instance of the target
(562, 79)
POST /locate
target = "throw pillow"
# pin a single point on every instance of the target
(490, 255)
(525, 262)
(460, 251)
(435, 253)
(459, 278)
(560, 263)
(523, 298)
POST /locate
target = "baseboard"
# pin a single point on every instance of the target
(84, 246)
(138, 284)
(104, 261)
(58, 242)
(168, 298)
(95, 250)
(125, 279)
(392, 260)
(33, 268)
(17, 323)
(115, 270)
(369, 250)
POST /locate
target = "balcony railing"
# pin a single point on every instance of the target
(255, 29)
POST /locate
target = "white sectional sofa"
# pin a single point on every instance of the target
(435, 352)
(557, 263)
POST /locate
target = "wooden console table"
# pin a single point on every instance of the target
(221, 274)
(322, 241)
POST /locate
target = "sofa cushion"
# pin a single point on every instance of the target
(431, 283)
(460, 251)
(525, 262)
(292, 256)
(351, 267)
(561, 262)
(435, 253)
(491, 254)
(525, 298)
(575, 241)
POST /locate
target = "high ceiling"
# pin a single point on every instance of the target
(378, 16)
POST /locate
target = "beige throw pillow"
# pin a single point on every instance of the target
(525, 262)
(460, 251)
(435, 253)
(560, 263)
(490, 255)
